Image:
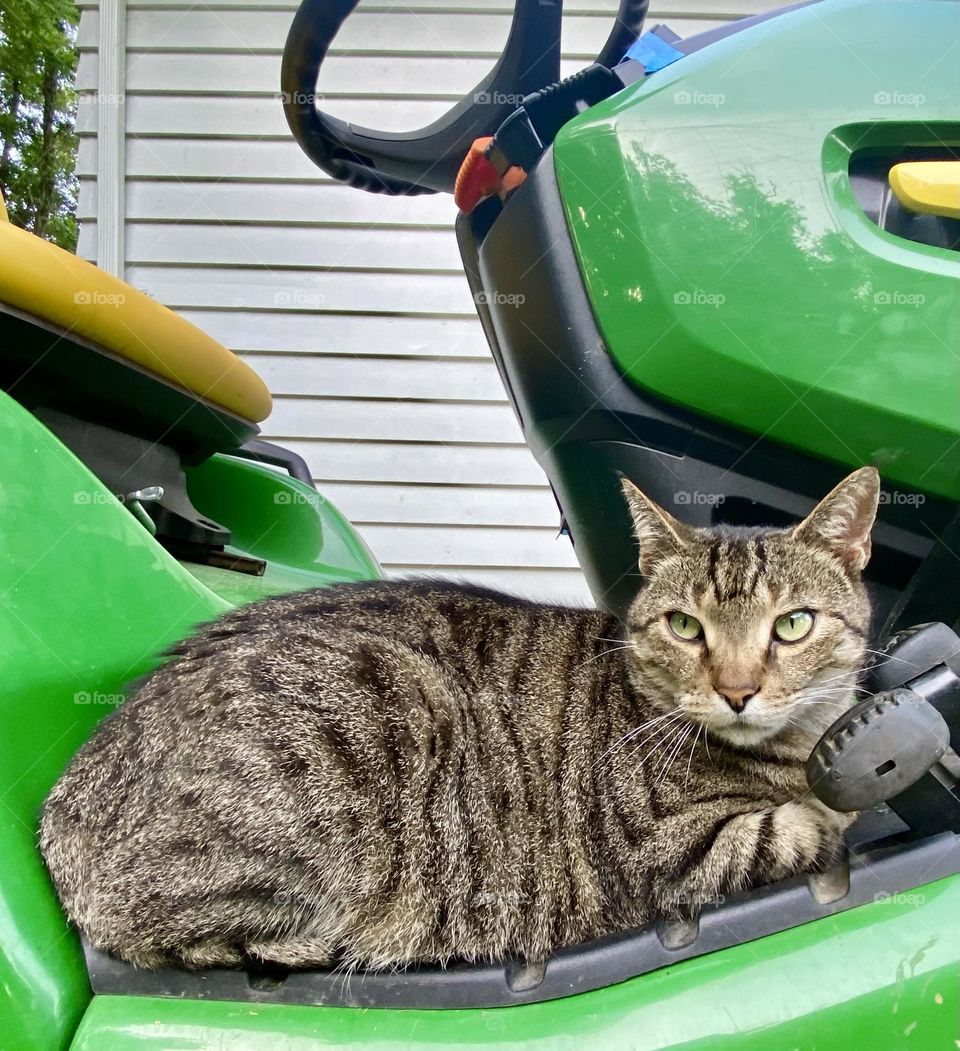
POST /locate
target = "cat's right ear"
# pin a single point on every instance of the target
(658, 533)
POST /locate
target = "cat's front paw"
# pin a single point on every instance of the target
(837, 821)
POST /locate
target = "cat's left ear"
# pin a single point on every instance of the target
(842, 521)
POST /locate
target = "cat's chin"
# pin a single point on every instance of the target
(744, 735)
(797, 721)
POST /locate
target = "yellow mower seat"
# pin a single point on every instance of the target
(55, 287)
(928, 187)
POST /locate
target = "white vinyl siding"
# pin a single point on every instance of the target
(352, 306)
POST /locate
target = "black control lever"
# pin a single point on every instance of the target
(888, 748)
(426, 160)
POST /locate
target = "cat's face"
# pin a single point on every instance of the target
(749, 633)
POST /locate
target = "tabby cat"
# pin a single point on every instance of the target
(384, 773)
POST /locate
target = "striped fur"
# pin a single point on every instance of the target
(385, 773)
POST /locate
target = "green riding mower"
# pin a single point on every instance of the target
(725, 267)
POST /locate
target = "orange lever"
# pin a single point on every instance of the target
(478, 178)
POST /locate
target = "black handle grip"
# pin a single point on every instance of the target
(266, 452)
(426, 160)
(876, 750)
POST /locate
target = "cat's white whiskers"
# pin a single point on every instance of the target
(671, 758)
(847, 678)
(676, 738)
(828, 697)
(849, 675)
(693, 748)
(606, 653)
(656, 724)
(633, 733)
(666, 730)
(889, 657)
(661, 743)
(657, 718)
(674, 713)
(667, 746)
(835, 699)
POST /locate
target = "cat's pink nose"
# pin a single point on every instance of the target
(737, 696)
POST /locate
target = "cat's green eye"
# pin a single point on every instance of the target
(792, 627)
(684, 626)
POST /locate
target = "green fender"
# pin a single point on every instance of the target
(88, 599)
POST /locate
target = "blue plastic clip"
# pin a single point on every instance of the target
(653, 52)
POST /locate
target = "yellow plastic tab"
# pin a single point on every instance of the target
(42, 280)
(930, 187)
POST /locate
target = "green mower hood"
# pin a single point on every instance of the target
(730, 260)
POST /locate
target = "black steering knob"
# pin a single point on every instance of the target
(877, 750)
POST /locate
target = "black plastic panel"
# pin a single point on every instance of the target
(585, 423)
(577, 970)
(44, 367)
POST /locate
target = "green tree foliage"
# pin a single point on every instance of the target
(37, 111)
